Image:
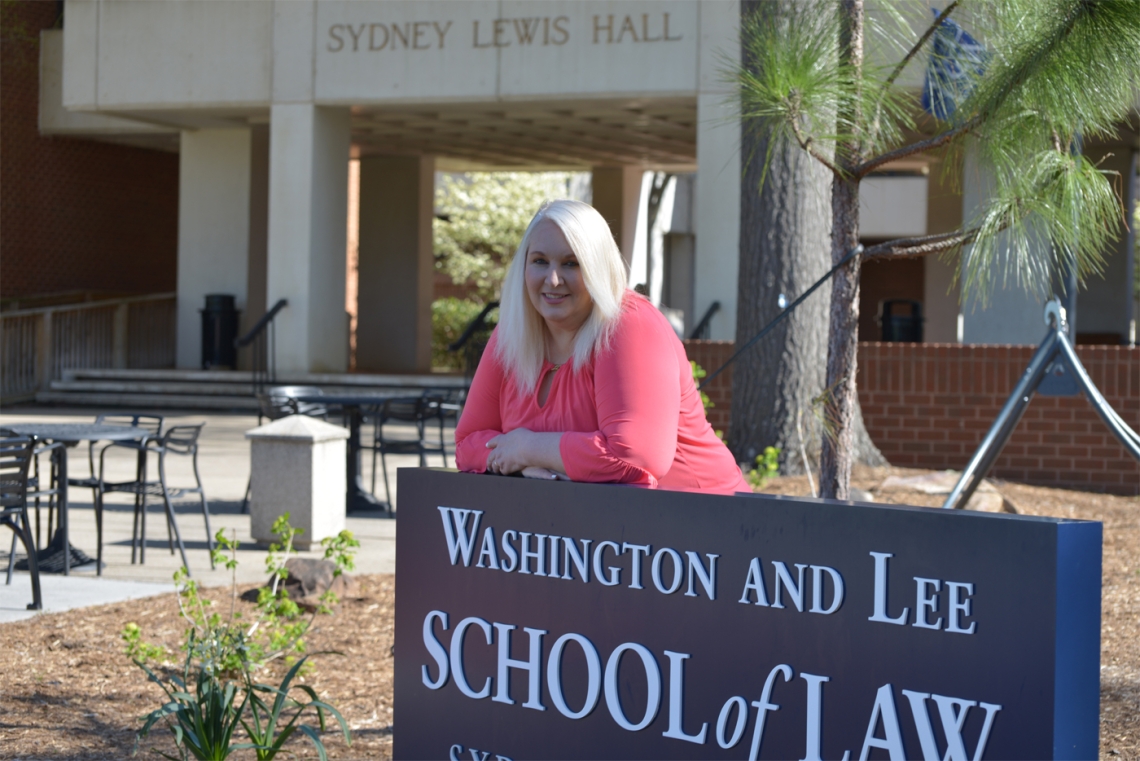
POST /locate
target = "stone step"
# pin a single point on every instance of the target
(147, 401)
(152, 387)
(377, 380)
(191, 376)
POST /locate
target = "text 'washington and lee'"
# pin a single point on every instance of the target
(809, 588)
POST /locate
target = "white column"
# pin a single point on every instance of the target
(616, 193)
(718, 174)
(308, 208)
(213, 228)
(393, 322)
(1011, 314)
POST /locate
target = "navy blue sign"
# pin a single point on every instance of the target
(560, 620)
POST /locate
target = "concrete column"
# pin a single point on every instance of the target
(717, 223)
(213, 228)
(258, 229)
(617, 197)
(940, 300)
(308, 206)
(393, 327)
(1010, 314)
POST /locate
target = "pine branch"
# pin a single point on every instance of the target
(806, 143)
(902, 152)
(1015, 80)
(918, 45)
(906, 248)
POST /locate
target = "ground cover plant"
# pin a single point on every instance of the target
(217, 703)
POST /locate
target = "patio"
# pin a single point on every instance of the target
(224, 464)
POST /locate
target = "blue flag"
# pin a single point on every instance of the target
(956, 62)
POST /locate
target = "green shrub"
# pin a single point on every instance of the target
(224, 653)
(767, 466)
(449, 318)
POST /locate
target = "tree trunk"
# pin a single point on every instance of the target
(785, 227)
(842, 340)
(785, 246)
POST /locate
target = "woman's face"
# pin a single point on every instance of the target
(554, 280)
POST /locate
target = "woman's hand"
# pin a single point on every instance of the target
(517, 450)
(543, 473)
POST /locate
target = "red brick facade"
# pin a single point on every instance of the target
(710, 355)
(930, 405)
(75, 215)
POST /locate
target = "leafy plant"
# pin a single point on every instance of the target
(203, 723)
(138, 650)
(767, 466)
(223, 654)
(264, 723)
(698, 373)
(482, 218)
(449, 317)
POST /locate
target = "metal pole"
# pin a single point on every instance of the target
(1003, 426)
(1129, 438)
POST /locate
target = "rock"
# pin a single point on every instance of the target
(986, 498)
(859, 495)
(309, 578)
(931, 483)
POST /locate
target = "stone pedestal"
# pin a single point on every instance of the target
(297, 466)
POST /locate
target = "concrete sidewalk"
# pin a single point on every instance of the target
(224, 464)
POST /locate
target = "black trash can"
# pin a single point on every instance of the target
(901, 320)
(219, 330)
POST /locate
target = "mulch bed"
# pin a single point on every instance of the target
(68, 692)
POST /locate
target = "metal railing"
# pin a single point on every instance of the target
(38, 345)
(263, 337)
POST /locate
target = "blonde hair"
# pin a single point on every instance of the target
(522, 331)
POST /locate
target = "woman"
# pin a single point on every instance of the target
(584, 379)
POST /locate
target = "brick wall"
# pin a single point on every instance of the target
(930, 405)
(75, 215)
(710, 355)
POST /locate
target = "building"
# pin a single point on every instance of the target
(226, 132)
(267, 102)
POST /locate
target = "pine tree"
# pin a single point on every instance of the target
(1045, 74)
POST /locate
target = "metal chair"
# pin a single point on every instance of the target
(181, 440)
(15, 457)
(44, 486)
(153, 424)
(417, 410)
(444, 406)
(277, 402)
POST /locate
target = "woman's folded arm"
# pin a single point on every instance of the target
(638, 397)
(481, 420)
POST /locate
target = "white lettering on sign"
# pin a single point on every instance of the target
(566, 558)
(884, 727)
(754, 586)
(456, 754)
(489, 34)
(926, 601)
(939, 604)
(952, 713)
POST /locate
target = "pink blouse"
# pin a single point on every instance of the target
(631, 415)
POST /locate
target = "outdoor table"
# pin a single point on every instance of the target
(354, 404)
(71, 434)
